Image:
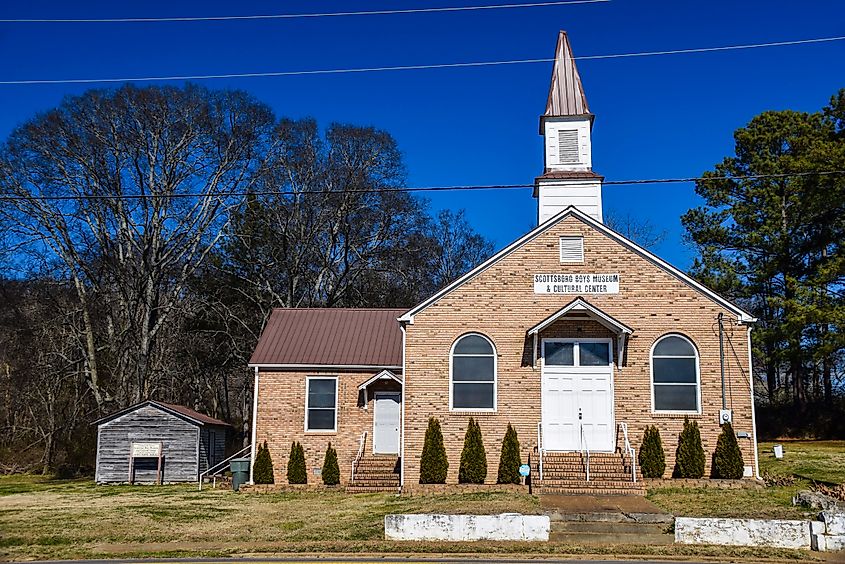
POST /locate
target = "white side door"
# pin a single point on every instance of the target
(386, 420)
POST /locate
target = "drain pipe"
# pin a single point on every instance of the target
(722, 358)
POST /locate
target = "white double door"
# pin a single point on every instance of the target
(577, 395)
(387, 418)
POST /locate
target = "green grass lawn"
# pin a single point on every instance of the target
(821, 461)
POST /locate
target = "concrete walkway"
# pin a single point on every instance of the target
(619, 508)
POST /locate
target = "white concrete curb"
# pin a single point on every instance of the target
(436, 527)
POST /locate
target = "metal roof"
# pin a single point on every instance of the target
(333, 337)
(566, 94)
(178, 410)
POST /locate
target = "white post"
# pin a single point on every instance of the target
(254, 424)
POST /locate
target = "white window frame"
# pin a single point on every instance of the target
(576, 351)
(336, 399)
(697, 383)
(495, 377)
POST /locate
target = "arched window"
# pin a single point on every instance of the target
(473, 373)
(675, 375)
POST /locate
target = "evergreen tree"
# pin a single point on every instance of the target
(473, 468)
(331, 472)
(652, 458)
(433, 464)
(262, 469)
(689, 458)
(297, 473)
(509, 460)
(727, 458)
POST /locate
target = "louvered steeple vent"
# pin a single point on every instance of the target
(566, 125)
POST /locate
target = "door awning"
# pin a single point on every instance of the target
(581, 306)
(383, 375)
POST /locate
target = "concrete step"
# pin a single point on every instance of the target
(594, 539)
(372, 489)
(588, 491)
(609, 527)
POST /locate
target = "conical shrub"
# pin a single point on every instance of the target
(473, 468)
(262, 469)
(433, 464)
(652, 459)
(331, 472)
(296, 465)
(509, 460)
(689, 458)
(727, 458)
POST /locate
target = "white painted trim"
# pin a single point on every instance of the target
(254, 425)
(577, 368)
(375, 403)
(742, 315)
(495, 376)
(697, 384)
(336, 402)
(379, 376)
(323, 367)
(579, 304)
(753, 408)
(402, 426)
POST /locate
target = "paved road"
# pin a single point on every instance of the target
(303, 560)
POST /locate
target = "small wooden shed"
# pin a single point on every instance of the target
(156, 441)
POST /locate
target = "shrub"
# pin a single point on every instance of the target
(331, 472)
(473, 468)
(296, 465)
(509, 460)
(433, 465)
(689, 458)
(262, 468)
(652, 458)
(727, 458)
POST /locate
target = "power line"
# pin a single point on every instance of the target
(417, 67)
(297, 16)
(412, 189)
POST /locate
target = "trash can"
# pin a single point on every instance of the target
(240, 472)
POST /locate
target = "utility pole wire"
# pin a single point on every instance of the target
(417, 67)
(296, 16)
(412, 189)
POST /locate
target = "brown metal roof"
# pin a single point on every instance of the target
(566, 94)
(178, 410)
(331, 337)
(573, 174)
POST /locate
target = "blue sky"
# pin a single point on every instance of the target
(655, 116)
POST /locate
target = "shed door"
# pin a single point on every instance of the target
(386, 420)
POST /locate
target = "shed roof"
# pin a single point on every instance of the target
(566, 94)
(332, 337)
(178, 410)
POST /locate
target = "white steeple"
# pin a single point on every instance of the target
(566, 125)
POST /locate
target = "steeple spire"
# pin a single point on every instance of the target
(566, 125)
(566, 94)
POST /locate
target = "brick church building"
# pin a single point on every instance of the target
(575, 335)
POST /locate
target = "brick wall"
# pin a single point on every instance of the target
(281, 419)
(500, 303)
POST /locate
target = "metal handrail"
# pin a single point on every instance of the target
(540, 449)
(360, 453)
(585, 449)
(215, 468)
(629, 450)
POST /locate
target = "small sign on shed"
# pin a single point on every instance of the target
(144, 450)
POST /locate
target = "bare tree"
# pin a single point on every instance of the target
(639, 230)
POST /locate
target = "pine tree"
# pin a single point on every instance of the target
(473, 468)
(509, 459)
(331, 472)
(689, 458)
(652, 458)
(433, 464)
(727, 458)
(297, 473)
(262, 469)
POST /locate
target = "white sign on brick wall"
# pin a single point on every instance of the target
(576, 283)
